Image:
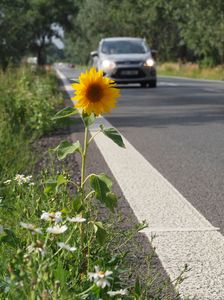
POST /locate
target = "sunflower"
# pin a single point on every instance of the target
(95, 93)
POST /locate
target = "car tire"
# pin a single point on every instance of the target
(143, 84)
(152, 83)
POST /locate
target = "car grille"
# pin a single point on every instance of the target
(129, 73)
(131, 62)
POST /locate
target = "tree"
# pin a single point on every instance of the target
(29, 25)
(43, 19)
(13, 31)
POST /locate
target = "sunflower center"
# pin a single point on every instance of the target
(94, 93)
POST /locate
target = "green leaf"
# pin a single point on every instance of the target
(102, 184)
(88, 119)
(114, 135)
(100, 232)
(111, 201)
(50, 186)
(99, 186)
(137, 288)
(106, 179)
(65, 148)
(65, 113)
(61, 274)
(61, 180)
(77, 202)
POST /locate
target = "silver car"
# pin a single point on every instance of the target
(125, 60)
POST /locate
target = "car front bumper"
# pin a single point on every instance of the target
(132, 74)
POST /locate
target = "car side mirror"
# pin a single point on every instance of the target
(154, 53)
(93, 53)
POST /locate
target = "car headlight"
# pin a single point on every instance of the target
(108, 65)
(149, 62)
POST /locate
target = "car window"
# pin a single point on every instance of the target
(124, 47)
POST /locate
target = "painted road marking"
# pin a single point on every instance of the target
(183, 235)
(164, 83)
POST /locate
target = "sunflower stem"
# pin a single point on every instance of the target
(85, 148)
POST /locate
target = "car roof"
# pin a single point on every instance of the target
(122, 38)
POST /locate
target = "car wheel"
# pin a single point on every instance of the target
(152, 83)
(143, 84)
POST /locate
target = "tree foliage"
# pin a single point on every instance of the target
(178, 29)
(30, 25)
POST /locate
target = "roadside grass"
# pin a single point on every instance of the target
(28, 100)
(52, 243)
(191, 70)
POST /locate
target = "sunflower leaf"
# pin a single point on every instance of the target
(88, 119)
(65, 113)
(101, 233)
(114, 135)
(101, 184)
(106, 179)
(65, 148)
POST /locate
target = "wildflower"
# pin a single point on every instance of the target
(21, 179)
(66, 247)
(118, 293)
(100, 277)
(28, 179)
(57, 229)
(31, 227)
(7, 181)
(95, 93)
(52, 216)
(38, 247)
(77, 219)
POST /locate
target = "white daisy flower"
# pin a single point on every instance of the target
(51, 216)
(118, 293)
(57, 229)
(7, 181)
(20, 178)
(76, 219)
(100, 278)
(66, 247)
(28, 178)
(31, 227)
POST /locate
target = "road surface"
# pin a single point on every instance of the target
(175, 138)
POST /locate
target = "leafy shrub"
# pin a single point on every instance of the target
(28, 100)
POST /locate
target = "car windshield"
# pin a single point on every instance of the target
(124, 47)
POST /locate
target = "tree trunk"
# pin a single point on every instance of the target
(41, 58)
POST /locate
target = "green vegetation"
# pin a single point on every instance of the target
(28, 99)
(53, 244)
(179, 30)
(191, 70)
(32, 31)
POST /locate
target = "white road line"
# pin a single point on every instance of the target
(191, 79)
(210, 90)
(183, 235)
(164, 83)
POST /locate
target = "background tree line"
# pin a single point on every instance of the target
(178, 29)
(185, 30)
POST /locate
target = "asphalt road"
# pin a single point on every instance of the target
(179, 128)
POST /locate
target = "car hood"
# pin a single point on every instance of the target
(127, 57)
